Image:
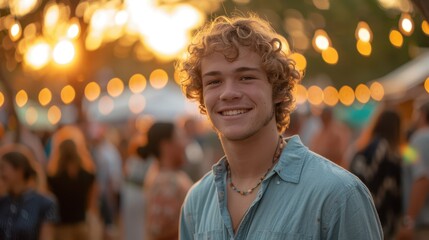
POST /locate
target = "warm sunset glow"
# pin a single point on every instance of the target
(45, 96)
(38, 54)
(68, 94)
(115, 87)
(158, 78)
(64, 52)
(92, 91)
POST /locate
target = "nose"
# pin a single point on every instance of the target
(230, 91)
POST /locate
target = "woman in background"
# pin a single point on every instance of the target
(25, 213)
(71, 179)
(378, 164)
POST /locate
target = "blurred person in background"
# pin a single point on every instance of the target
(71, 179)
(415, 224)
(378, 164)
(133, 197)
(332, 139)
(108, 176)
(25, 212)
(166, 189)
(195, 165)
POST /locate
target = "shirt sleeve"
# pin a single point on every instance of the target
(354, 216)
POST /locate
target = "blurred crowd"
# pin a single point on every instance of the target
(128, 180)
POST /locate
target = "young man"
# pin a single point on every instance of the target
(265, 187)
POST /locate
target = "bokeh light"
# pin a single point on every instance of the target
(406, 24)
(137, 83)
(38, 54)
(347, 96)
(364, 48)
(64, 52)
(315, 95)
(68, 94)
(321, 40)
(301, 62)
(377, 91)
(425, 27)
(363, 32)
(137, 103)
(73, 30)
(321, 4)
(15, 31)
(21, 98)
(1, 99)
(106, 105)
(363, 94)
(330, 55)
(31, 115)
(54, 115)
(92, 91)
(115, 87)
(426, 85)
(396, 38)
(301, 94)
(45, 96)
(158, 78)
(23, 7)
(331, 96)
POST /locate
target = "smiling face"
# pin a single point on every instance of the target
(237, 95)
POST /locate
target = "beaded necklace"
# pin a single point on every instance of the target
(280, 145)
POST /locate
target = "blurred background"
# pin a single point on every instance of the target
(108, 67)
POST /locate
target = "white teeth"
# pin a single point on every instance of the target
(233, 112)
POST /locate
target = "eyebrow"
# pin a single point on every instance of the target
(240, 69)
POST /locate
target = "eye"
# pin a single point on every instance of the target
(245, 78)
(212, 82)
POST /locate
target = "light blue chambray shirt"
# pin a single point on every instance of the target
(304, 197)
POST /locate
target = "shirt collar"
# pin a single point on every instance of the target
(289, 167)
(290, 164)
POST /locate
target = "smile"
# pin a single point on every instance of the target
(233, 112)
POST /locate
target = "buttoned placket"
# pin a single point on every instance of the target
(220, 182)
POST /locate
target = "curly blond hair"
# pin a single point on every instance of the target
(226, 35)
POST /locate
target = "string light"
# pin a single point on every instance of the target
(406, 24)
(396, 38)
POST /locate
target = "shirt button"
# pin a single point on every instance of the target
(278, 182)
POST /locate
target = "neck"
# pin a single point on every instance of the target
(251, 157)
